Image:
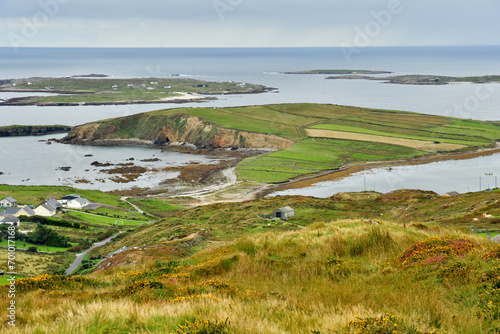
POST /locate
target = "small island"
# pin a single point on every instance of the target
(339, 72)
(102, 90)
(419, 79)
(32, 130)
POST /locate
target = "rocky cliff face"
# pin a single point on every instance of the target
(174, 129)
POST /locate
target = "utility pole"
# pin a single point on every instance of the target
(365, 182)
(480, 183)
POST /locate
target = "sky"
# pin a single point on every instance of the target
(248, 23)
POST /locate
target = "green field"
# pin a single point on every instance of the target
(313, 155)
(154, 206)
(103, 220)
(36, 194)
(4, 278)
(85, 90)
(40, 248)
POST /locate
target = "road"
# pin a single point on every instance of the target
(79, 257)
(133, 205)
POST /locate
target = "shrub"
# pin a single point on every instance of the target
(54, 282)
(419, 226)
(205, 327)
(493, 254)
(32, 249)
(387, 324)
(78, 248)
(435, 250)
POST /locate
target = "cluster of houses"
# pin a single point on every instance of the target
(49, 207)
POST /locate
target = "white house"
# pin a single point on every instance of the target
(77, 203)
(68, 198)
(8, 202)
(45, 210)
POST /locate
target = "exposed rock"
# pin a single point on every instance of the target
(173, 130)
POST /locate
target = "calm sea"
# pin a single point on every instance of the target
(261, 66)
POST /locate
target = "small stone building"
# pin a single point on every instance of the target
(284, 213)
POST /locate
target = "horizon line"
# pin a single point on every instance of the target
(248, 47)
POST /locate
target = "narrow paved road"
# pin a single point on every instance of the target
(79, 257)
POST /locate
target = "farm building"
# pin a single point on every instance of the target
(8, 202)
(284, 213)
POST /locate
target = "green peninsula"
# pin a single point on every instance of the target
(101, 91)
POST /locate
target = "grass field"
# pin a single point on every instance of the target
(154, 206)
(28, 263)
(312, 155)
(40, 248)
(4, 278)
(103, 220)
(427, 146)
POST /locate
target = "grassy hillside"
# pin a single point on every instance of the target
(330, 277)
(314, 137)
(225, 221)
(352, 263)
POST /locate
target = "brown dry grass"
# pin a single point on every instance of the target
(423, 145)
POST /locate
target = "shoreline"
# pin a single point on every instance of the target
(349, 169)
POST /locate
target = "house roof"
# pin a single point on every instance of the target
(286, 209)
(47, 207)
(10, 211)
(53, 202)
(10, 199)
(452, 193)
(10, 219)
(28, 210)
(80, 200)
(70, 197)
(496, 239)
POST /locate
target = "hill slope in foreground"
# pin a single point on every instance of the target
(307, 138)
(223, 269)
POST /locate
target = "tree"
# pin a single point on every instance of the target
(46, 236)
(4, 233)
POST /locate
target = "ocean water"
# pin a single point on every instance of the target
(261, 66)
